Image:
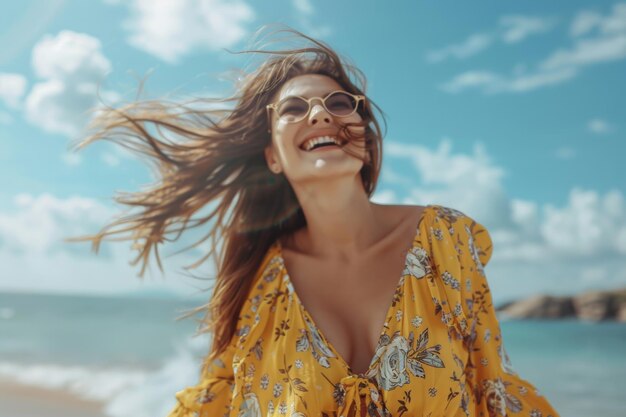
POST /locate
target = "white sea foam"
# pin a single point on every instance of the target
(124, 392)
(156, 396)
(88, 383)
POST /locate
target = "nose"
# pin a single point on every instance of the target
(319, 115)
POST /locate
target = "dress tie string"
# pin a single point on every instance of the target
(351, 390)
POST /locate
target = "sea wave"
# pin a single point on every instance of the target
(124, 392)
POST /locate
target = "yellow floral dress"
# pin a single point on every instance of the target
(440, 352)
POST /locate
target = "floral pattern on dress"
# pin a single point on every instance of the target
(398, 356)
(311, 340)
(250, 406)
(498, 399)
(417, 263)
(440, 351)
(505, 361)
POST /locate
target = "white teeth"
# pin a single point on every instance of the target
(309, 144)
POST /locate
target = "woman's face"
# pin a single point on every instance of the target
(285, 154)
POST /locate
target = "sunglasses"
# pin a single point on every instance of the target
(293, 109)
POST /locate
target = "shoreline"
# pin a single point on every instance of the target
(28, 401)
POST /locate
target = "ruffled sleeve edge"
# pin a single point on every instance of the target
(197, 399)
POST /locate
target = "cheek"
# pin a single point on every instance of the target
(284, 137)
(283, 128)
(280, 126)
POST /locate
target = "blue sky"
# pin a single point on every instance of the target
(510, 112)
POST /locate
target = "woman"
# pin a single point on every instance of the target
(325, 304)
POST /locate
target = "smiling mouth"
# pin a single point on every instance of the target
(322, 142)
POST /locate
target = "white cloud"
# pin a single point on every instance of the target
(615, 22)
(587, 52)
(537, 247)
(40, 223)
(599, 126)
(473, 79)
(70, 274)
(590, 225)
(517, 27)
(519, 82)
(584, 22)
(525, 214)
(512, 29)
(72, 66)
(471, 46)
(34, 256)
(607, 44)
(70, 56)
(12, 88)
(469, 181)
(170, 30)
(527, 82)
(587, 21)
(564, 64)
(303, 6)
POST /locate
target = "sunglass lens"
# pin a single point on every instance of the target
(341, 104)
(293, 108)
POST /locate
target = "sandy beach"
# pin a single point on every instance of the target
(26, 401)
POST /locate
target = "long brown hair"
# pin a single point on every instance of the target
(217, 160)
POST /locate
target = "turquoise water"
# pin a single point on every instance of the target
(580, 367)
(92, 331)
(133, 355)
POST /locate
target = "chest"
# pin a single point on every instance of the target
(350, 303)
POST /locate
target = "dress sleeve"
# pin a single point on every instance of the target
(493, 388)
(211, 397)
(219, 391)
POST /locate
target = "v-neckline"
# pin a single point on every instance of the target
(382, 332)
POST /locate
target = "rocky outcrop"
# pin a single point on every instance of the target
(541, 306)
(590, 306)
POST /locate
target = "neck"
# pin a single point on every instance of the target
(341, 221)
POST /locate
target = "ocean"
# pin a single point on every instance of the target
(130, 356)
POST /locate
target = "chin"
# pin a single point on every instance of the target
(329, 172)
